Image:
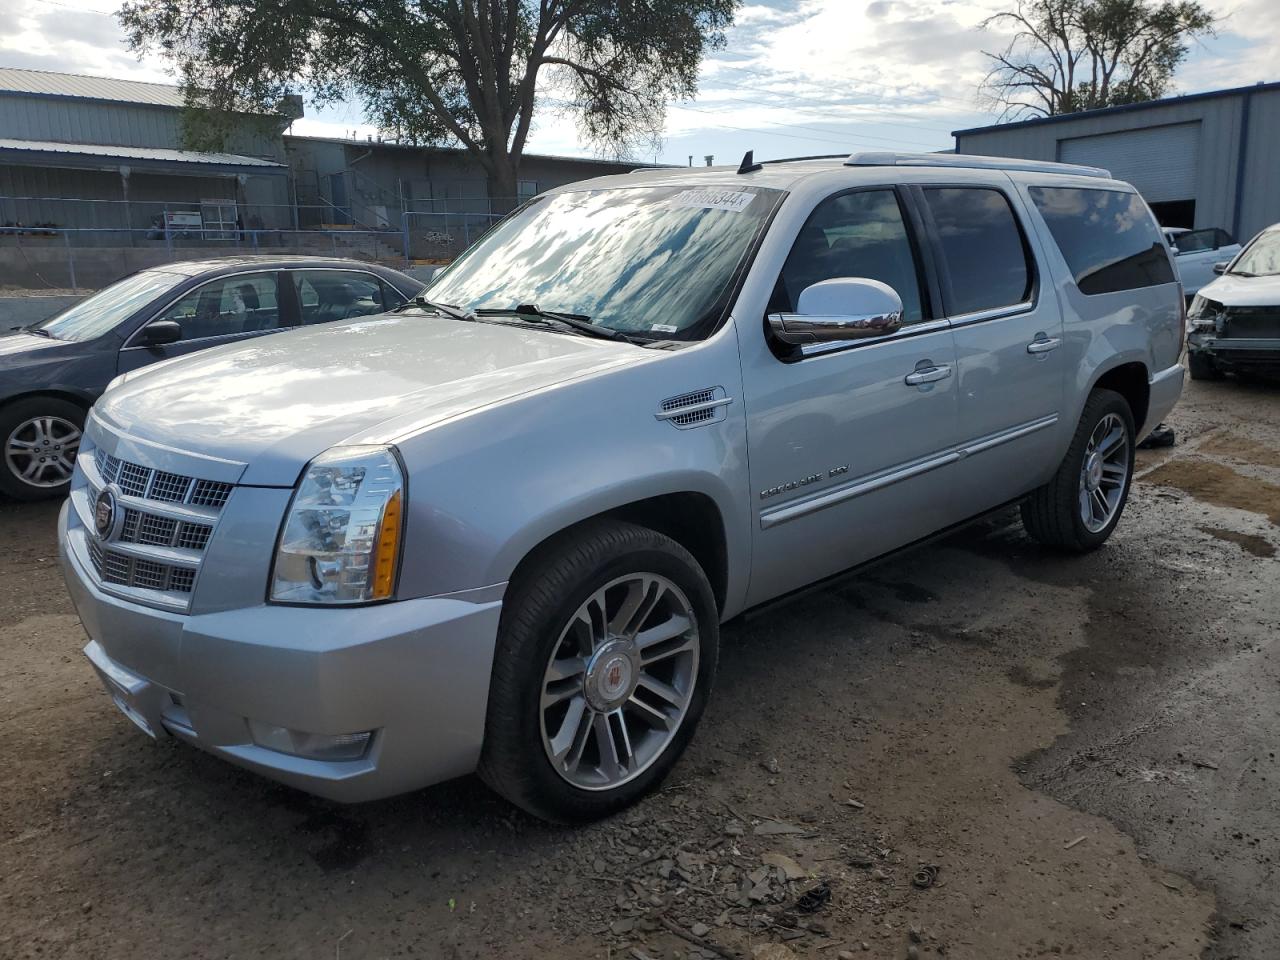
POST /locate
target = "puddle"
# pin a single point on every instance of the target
(1242, 449)
(1213, 483)
(1248, 542)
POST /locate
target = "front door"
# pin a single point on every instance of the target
(220, 311)
(1009, 342)
(849, 442)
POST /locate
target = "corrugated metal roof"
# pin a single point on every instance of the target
(45, 83)
(137, 153)
(1120, 108)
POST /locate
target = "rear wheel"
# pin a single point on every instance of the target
(605, 657)
(1079, 508)
(39, 440)
(1202, 367)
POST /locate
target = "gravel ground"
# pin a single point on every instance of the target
(977, 750)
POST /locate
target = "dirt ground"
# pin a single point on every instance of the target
(979, 750)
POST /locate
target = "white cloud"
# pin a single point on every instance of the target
(797, 76)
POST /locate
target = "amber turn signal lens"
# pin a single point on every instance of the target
(387, 552)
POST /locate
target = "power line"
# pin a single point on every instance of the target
(856, 138)
(799, 126)
(68, 6)
(968, 105)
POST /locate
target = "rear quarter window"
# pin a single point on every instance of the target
(1108, 238)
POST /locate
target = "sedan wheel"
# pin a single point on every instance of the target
(39, 440)
(42, 451)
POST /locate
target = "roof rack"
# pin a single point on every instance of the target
(888, 158)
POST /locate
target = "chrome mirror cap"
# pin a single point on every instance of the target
(843, 308)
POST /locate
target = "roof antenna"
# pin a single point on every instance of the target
(749, 164)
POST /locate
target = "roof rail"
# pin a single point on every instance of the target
(888, 158)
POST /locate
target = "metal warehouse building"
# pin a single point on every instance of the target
(1202, 160)
(115, 147)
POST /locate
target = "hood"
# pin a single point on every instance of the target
(1233, 291)
(277, 401)
(18, 347)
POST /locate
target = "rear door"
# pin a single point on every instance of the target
(219, 311)
(1008, 335)
(325, 296)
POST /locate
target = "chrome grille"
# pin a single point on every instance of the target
(168, 521)
(157, 531)
(126, 571)
(148, 483)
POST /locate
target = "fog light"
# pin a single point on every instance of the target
(312, 746)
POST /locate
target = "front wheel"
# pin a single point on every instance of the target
(605, 657)
(39, 440)
(1202, 367)
(1079, 508)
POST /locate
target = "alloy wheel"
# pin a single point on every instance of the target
(1104, 473)
(619, 681)
(42, 451)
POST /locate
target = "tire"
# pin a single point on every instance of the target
(1054, 514)
(1202, 367)
(540, 630)
(55, 426)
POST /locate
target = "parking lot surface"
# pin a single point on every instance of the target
(976, 750)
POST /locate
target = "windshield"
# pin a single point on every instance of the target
(100, 313)
(653, 262)
(1261, 258)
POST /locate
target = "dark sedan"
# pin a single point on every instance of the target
(52, 371)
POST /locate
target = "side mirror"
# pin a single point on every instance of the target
(1221, 267)
(844, 308)
(160, 332)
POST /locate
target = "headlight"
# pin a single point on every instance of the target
(1204, 313)
(341, 538)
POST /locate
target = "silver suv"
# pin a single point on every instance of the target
(499, 530)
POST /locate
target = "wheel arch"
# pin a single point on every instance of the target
(1132, 380)
(70, 394)
(691, 518)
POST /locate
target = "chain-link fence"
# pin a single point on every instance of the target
(77, 245)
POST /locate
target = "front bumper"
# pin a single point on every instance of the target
(416, 672)
(1263, 351)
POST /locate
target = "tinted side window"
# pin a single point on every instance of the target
(242, 304)
(859, 234)
(1196, 241)
(1107, 237)
(328, 295)
(982, 248)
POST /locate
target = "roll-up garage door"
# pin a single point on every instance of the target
(1159, 161)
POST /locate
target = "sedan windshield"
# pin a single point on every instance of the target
(653, 262)
(1261, 258)
(103, 311)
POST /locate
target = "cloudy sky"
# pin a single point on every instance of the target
(797, 77)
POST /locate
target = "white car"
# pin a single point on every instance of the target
(1235, 320)
(1196, 251)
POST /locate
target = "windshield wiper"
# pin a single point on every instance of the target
(37, 331)
(1241, 273)
(443, 308)
(576, 321)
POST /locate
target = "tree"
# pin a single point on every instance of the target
(1071, 55)
(461, 72)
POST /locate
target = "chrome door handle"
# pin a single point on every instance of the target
(927, 375)
(1043, 346)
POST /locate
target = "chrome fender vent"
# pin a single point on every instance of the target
(695, 408)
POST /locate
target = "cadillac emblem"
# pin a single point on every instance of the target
(104, 513)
